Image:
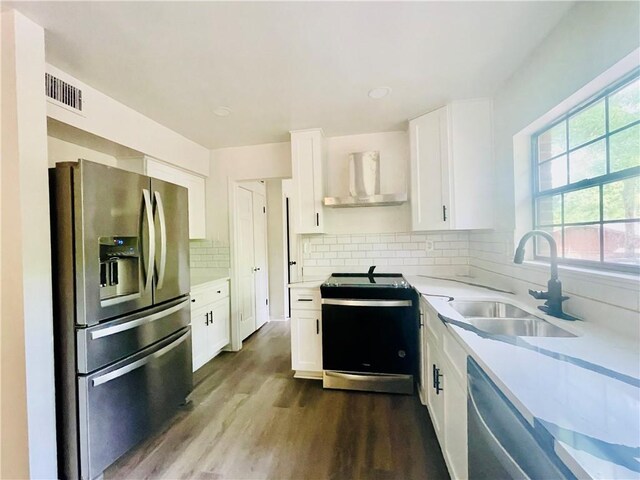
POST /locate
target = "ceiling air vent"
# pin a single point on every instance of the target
(63, 92)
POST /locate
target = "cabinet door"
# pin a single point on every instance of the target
(219, 327)
(423, 352)
(200, 336)
(471, 167)
(455, 426)
(435, 399)
(430, 207)
(306, 340)
(196, 188)
(307, 169)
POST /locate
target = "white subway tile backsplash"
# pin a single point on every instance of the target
(388, 238)
(405, 252)
(208, 254)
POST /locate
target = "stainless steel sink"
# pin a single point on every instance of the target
(519, 327)
(484, 309)
(501, 318)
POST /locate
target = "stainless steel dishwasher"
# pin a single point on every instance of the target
(502, 444)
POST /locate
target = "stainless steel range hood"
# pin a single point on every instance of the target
(364, 184)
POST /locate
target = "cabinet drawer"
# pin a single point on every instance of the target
(303, 299)
(200, 296)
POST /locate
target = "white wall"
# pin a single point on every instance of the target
(255, 162)
(63, 151)
(14, 438)
(105, 117)
(276, 246)
(27, 327)
(591, 38)
(394, 178)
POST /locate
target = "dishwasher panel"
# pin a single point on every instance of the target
(502, 444)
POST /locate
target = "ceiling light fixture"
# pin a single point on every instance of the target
(379, 92)
(222, 111)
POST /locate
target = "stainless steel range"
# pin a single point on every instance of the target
(369, 332)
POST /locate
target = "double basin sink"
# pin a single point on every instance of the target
(505, 319)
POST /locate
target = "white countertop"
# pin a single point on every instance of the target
(202, 276)
(583, 391)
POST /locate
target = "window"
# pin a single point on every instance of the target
(586, 180)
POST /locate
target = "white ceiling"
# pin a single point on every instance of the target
(283, 66)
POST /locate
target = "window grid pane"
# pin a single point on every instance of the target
(587, 181)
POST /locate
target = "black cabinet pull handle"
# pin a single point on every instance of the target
(444, 213)
(206, 315)
(317, 327)
(193, 300)
(292, 263)
(438, 387)
(305, 299)
(211, 318)
(219, 291)
(317, 219)
(434, 375)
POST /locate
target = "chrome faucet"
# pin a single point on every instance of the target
(553, 297)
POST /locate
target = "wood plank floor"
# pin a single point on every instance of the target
(250, 419)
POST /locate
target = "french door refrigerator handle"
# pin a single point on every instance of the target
(107, 377)
(163, 239)
(105, 332)
(148, 207)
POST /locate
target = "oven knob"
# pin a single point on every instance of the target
(402, 353)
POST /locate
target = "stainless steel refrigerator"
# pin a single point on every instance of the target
(122, 310)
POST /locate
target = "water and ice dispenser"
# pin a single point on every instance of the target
(119, 266)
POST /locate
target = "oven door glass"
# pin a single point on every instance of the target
(374, 336)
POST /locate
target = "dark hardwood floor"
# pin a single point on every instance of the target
(250, 419)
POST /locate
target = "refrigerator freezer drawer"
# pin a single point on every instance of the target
(121, 405)
(103, 344)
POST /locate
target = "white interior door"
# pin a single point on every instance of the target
(246, 263)
(261, 278)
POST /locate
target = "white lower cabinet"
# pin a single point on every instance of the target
(209, 321)
(444, 389)
(306, 333)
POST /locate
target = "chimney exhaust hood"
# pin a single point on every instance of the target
(364, 184)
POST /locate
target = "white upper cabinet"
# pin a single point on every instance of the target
(308, 180)
(195, 184)
(452, 167)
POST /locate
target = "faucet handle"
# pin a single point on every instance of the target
(539, 294)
